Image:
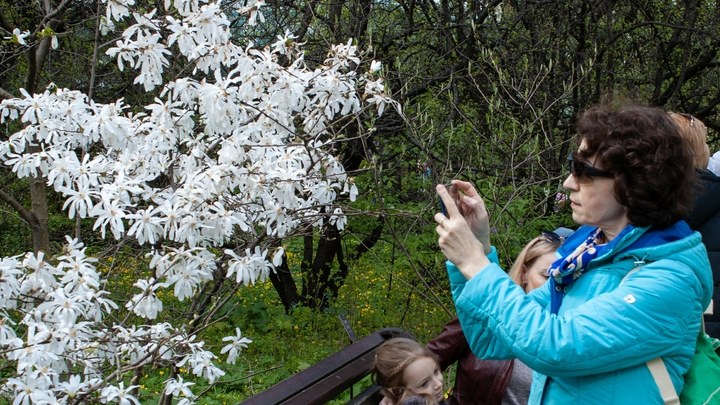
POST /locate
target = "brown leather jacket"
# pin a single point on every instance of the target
(477, 381)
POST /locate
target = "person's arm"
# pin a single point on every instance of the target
(450, 345)
(481, 335)
(646, 317)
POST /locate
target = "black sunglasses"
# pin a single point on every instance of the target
(583, 170)
(552, 237)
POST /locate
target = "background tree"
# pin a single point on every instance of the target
(490, 91)
(233, 154)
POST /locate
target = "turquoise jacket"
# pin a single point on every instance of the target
(594, 350)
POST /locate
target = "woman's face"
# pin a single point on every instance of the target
(536, 275)
(593, 202)
(423, 376)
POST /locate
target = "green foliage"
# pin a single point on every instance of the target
(490, 99)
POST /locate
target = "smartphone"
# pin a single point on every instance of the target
(453, 191)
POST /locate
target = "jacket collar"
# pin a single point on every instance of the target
(635, 238)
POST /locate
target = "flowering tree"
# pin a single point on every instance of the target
(226, 162)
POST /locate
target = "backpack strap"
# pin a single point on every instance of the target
(657, 366)
(662, 379)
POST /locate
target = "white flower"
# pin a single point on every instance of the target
(234, 146)
(234, 348)
(146, 304)
(109, 212)
(338, 219)
(117, 9)
(176, 387)
(72, 387)
(62, 308)
(79, 200)
(19, 36)
(278, 257)
(147, 226)
(26, 391)
(119, 394)
(24, 165)
(201, 364)
(249, 268)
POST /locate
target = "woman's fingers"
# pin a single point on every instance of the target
(467, 188)
(450, 205)
(458, 235)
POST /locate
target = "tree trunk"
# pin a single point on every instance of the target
(40, 232)
(284, 284)
(315, 281)
(39, 209)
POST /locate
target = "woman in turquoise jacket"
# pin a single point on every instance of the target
(628, 287)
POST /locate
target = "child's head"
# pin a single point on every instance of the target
(530, 268)
(405, 368)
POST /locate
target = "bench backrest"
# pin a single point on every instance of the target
(328, 378)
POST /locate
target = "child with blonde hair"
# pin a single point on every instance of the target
(408, 373)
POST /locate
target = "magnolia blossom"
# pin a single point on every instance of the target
(119, 394)
(207, 178)
(146, 304)
(177, 387)
(19, 36)
(234, 348)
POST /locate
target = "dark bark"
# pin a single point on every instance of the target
(284, 284)
(39, 229)
(315, 282)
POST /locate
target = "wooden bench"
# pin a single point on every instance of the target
(330, 377)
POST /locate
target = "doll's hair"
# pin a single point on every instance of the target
(391, 360)
(527, 257)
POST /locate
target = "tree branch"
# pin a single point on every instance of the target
(28, 216)
(4, 94)
(6, 25)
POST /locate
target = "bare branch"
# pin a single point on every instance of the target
(4, 94)
(28, 216)
(5, 25)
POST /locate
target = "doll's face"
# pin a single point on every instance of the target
(423, 376)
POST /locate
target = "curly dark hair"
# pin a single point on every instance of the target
(653, 167)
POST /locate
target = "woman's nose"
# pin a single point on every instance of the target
(570, 183)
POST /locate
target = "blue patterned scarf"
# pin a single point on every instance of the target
(568, 269)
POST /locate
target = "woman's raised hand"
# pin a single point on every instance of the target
(474, 212)
(464, 238)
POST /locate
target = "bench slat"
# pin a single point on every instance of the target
(369, 396)
(329, 377)
(333, 385)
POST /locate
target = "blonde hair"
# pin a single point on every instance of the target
(694, 134)
(527, 257)
(391, 360)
